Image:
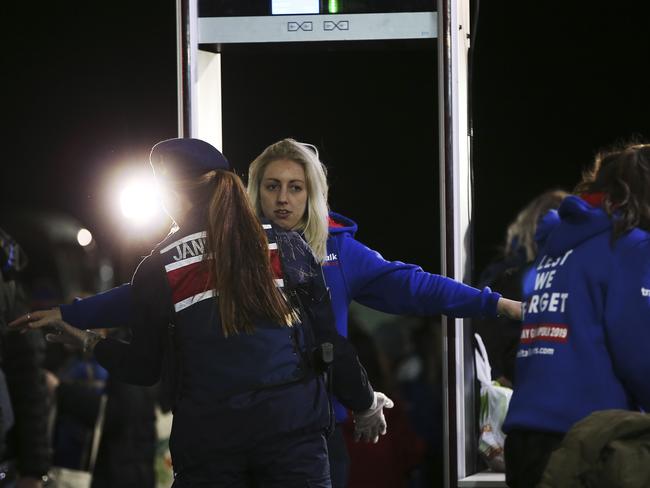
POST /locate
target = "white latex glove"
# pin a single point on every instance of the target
(370, 424)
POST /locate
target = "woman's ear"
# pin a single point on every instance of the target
(175, 203)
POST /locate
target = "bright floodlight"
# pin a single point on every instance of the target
(139, 201)
(84, 237)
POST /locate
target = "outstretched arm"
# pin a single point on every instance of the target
(112, 308)
(141, 307)
(400, 288)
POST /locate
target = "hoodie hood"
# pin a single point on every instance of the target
(339, 224)
(545, 226)
(578, 221)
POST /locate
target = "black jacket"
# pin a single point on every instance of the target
(21, 359)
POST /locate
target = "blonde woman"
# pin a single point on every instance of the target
(287, 184)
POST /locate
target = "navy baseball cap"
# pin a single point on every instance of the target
(186, 157)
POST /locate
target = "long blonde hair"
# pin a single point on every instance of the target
(521, 232)
(314, 223)
(237, 252)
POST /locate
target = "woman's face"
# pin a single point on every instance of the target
(283, 193)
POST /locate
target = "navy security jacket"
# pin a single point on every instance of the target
(233, 391)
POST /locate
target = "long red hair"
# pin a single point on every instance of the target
(237, 252)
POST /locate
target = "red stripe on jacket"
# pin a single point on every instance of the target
(188, 281)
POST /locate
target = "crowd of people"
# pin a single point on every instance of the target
(240, 317)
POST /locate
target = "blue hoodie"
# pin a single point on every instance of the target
(586, 330)
(356, 272)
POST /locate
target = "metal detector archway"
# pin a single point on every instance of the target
(203, 31)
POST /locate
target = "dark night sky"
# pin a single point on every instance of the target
(91, 84)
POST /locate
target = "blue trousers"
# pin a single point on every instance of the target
(290, 461)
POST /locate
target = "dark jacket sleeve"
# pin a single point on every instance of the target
(349, 379)
(139, 360)
(350, 382)
(23, 356)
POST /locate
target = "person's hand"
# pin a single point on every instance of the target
(370, 424)
(64, 333)
(509, 308)
(35, 320)
(51, 381)
(29, 482)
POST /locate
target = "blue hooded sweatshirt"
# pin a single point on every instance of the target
(356, 272)
(352, 272)
(586, 330)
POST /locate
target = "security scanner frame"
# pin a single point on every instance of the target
(200, 115)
